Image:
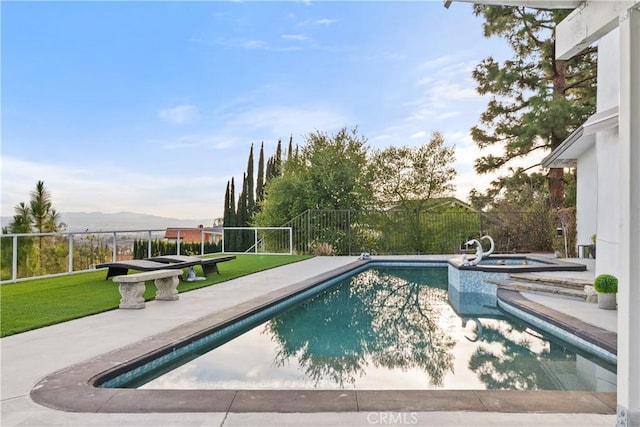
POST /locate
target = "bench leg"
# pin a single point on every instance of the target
(167, 288)
(132, 295)
(210, 268)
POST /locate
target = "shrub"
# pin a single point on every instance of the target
(322, 249)
(606, 284)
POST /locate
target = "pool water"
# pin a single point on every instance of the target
(386, 329)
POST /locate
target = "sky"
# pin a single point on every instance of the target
(152, 107)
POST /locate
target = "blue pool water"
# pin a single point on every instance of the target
(384, 329)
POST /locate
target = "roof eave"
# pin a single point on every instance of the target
(581, 139)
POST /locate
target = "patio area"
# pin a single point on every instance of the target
(28, 357)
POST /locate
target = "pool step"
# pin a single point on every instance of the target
(569, 283)
(559, 287)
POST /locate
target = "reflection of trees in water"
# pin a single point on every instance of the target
(388, 319)
(509, 360)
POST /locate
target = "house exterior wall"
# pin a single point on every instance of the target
(587, 196)
(606, 148)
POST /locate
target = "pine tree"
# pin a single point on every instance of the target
(536, 100)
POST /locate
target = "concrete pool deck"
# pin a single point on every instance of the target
(31, 356)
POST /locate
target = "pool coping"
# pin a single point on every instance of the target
(543, 264)
(73, 388)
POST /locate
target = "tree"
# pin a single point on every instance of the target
(413, 174)
(37, 216)
(520, 192)
(328, 173)
(250, 191)
(536, 100)
(260, 178)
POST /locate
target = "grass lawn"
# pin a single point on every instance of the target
(36, 303)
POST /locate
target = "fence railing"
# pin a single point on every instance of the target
(257, 240)
(322, 232)
(24, 256)
(401, 232)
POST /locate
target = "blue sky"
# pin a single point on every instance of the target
(151, 107)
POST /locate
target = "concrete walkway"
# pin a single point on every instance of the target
(28, 357)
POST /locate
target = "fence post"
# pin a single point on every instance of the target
(349, 228)
(308, 231)
(14, 260)
(201, 241)
(178, 244)
(70, 253)
(255, 240)
(222, 239)
(114, 255)
(149, 245)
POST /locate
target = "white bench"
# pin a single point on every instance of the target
(132, 286)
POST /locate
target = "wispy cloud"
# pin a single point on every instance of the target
(325, 21)
(242, 124)
(244, 43)
(180, 114)
(297, 37)
(76, 189)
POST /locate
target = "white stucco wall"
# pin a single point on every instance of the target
(587, 196)
(607, 158)
(608, 70)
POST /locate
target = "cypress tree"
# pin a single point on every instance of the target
(226, 214)
(290, 150)
(269, 174)
(249, 190)
(260, 179)
(277, 164)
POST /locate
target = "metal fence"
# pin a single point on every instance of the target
(346, 232)
(320, 232)
(257, 240)
(24, 256)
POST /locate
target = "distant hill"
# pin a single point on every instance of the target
(98, 221)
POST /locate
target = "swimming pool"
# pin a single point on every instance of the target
(76, 387)
(383, 328)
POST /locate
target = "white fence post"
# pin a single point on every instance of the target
(70, 253)
(14, 261)
(115, 247)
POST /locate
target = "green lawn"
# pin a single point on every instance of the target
(36, 303)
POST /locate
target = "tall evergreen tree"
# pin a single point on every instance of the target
(226, 219)
(277, 164)
(536, 100)
(250, 191)
(37, 216)
(290, 149)
(232, 203)
(260, 178)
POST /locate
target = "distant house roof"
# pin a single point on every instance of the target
(190, 235)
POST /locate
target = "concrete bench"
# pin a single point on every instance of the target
(132, 286)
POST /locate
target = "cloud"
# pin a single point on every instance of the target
(448, 115)
(240, 124)
(255, 44)
(180, 114)
(325, 21)
(109, 188)
(297, 37)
